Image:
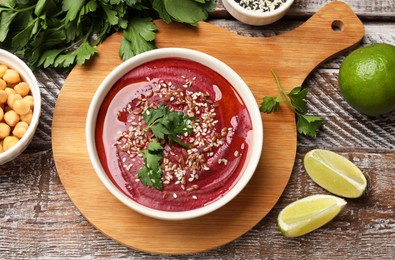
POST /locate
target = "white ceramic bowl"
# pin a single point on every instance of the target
(255, 17)
(13, 62)
(216, 65)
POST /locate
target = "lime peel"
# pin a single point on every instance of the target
(335, 173)
(293, 221)
(367, 79)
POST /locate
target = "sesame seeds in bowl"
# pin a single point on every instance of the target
(257, 12)
(178, 135)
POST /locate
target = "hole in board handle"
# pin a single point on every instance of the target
(337, 26)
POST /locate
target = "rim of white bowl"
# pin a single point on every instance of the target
(258, 14)
(216, 65)
(14, 62)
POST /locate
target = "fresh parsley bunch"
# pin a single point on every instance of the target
(296, 101)
(62, 33)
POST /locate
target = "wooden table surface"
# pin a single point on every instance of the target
(38, 220)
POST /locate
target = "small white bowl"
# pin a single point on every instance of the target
(254, 152)
(256, 17)
(13, 62)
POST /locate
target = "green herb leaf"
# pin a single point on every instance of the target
(270, 104)
(187, 11)
(6, 19)
(138, 37)
(151, 116)
(308, 125)
(37, 30)
(72, 9)
(166, 124)
(159, 6)
(84, 52)
(296, 101)
(151, 173)
(297, 97)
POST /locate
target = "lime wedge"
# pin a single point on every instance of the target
(307, 214)
(335, 173)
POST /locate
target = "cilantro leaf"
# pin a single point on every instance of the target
(84, 52)
(296, 101)
(152, 115)
(270, 104)
(112, 16)
(159, 6)
(49, 57)
(72, 8)
(138, 37)
(167, 124)
(308, 125)
(6, 19)
(155, 146)
(37, 30)
(149, 177)
(151, 173)
(187, 11)
(159, 131)
(40, 6)
(297, 97)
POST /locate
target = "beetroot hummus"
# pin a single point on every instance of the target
(194, 174)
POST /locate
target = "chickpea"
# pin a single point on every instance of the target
(4, 130)
(12, 77)
(9, 142)
(22, 89)
(10, 91)
(27, 118)
(3, 84)
(11, 118)
(12, 98)
(30, 100)
(3, 96)
(16, 107)
(21, 107)
(3, 68)
(20, 129)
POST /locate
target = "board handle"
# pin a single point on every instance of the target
(333, 29)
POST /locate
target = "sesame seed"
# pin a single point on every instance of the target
(182, 166)
(260, 5)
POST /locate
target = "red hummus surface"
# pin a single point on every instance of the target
(192, 176)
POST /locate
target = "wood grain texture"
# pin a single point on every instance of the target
(39, 221)
(383, 10)
(116, 220)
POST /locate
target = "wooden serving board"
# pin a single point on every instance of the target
(292, 55)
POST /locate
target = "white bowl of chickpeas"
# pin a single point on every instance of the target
(20, 106)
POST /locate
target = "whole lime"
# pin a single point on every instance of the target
(367, 79)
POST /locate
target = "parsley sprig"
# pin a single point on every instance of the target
(165, 125)
(296, 101)
(150, 174)
(62, 33)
